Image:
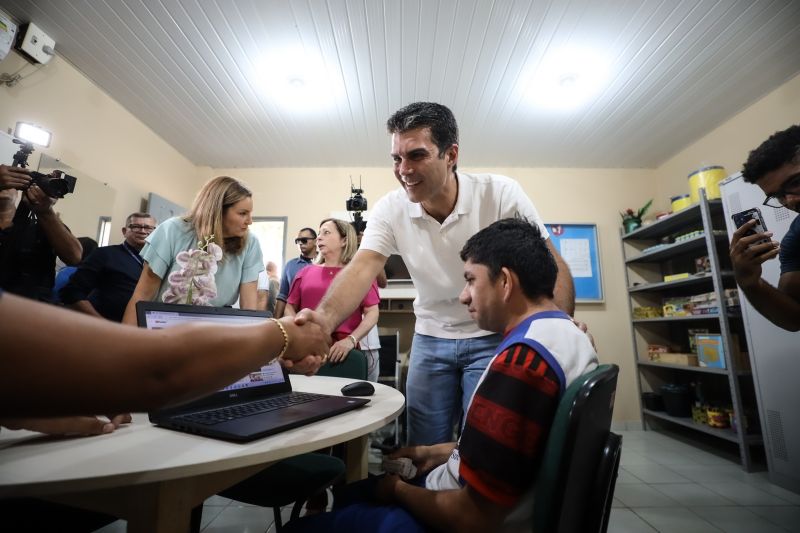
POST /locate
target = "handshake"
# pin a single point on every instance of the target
(308, 341)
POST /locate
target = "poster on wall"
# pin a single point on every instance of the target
(577, 244)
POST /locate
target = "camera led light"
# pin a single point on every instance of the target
(32, 134)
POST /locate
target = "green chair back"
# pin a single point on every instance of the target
(575, 448)
(354, 366)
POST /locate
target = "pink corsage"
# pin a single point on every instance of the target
(194, 282)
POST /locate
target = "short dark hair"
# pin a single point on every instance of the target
(88, 245)
(437, 117)
(516, 244)
(310, 230)
(782, 148)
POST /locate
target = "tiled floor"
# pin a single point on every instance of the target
(664, 485)
(669, 486)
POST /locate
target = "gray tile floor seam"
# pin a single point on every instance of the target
(786, 517)
(737, 520)
(744, 494)
(692, 494)
(675, 520)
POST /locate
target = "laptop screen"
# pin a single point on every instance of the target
(269, 374)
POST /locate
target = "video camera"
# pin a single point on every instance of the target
(356, 202)
(55, 186)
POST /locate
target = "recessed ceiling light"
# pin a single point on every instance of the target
(294, 79)
(567, 79)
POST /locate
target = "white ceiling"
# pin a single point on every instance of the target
(218, 79)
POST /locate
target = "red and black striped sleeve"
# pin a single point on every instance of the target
(507, 425)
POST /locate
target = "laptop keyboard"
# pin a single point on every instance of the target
(233, 412)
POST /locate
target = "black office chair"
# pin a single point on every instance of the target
(295, 479)
(575, 484)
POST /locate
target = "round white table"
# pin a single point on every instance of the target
(153, 477)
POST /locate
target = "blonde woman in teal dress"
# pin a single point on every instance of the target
(221, 211)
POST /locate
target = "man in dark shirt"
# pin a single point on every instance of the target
(104, 282)
(31, 237)
(775, 167)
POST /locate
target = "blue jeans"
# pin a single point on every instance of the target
(442, 376)
(355, 511)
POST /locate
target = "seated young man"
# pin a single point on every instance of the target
(485, 481)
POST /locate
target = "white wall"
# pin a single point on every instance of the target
(93, 133)
(730, 143)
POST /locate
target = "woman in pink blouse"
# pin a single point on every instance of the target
(336, 245)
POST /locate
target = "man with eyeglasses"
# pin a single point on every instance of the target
(306, 242)
(105, 280)
(775, 167)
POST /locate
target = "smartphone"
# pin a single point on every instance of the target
(745, 216)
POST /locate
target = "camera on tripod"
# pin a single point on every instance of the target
(57, 185)
(356, 202)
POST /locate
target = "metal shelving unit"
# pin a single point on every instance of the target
(647, 260)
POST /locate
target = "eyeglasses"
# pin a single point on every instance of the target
(303, 240)
(778, 200)
(141, 227)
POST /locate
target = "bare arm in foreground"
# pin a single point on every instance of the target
(66, 363)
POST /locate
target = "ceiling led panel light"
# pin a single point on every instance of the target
(295, 80)
(568, 79)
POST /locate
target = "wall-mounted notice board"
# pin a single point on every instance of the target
(577, 244)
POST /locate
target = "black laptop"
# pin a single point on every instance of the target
(259, 404)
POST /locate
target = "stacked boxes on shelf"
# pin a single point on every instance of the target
(681, 306)
(700, 304)
(647, 312)
(658, 353)
(706, 303)
(711, 352)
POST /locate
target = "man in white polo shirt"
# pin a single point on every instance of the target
(427, 221)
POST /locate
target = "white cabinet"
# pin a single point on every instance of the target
(774, 352)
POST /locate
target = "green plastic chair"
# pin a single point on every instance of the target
(289, 481)
(354, 366)
(576, 480)
(295, 479)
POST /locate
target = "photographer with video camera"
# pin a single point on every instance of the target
(31, 234)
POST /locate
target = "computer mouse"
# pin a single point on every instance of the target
(359, 388)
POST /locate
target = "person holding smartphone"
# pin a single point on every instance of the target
(775, 167)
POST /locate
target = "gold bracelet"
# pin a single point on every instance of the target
(285, 338)
(355, 342)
